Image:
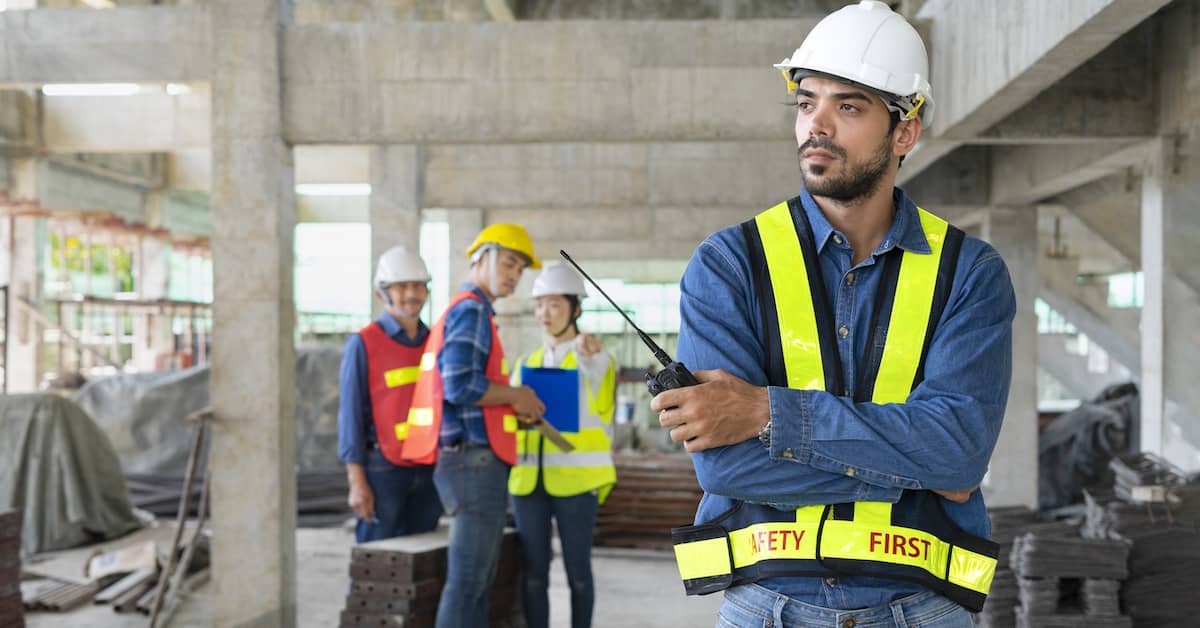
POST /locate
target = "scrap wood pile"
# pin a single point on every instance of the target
(1156, 510)
(654, 493)
(398, 582)
(11, 613)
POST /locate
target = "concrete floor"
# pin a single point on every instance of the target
(634, 588)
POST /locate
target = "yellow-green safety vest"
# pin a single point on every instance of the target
(590, 466)
(912, 540)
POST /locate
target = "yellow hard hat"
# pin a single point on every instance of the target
(509, 236)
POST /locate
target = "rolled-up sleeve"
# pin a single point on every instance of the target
(467, 341)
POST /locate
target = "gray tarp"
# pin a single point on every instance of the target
(143, 413)
(60, 470)
(1075, 448)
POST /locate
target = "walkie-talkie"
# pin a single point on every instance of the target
(673, 374)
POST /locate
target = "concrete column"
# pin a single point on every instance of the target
(253, 369)
(464, 225)
(1012, 477)
(22, 360)
(397, 173)
(1170, 401)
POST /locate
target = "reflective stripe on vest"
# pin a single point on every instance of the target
(391, 377)
(425, 416)
(912, 540)
(590, 465)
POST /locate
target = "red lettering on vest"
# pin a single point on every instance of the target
(775, 540)
(899, 545)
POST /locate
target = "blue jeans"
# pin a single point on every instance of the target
(576, 517)
(473, 484)
(406, 501)
(752, 606)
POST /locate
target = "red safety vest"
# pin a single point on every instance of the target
(392, 370)
(425, 415)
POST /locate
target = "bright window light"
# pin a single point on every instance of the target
(333, 189)
(175, 89)
(90, 89)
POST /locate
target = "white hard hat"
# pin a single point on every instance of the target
(868, 44)
(398, 264)
(558, 279)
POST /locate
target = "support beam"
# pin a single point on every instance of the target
(253, 374)
(132, 44)
(1029, 174)
(23, 332)
(149, 121)
(396, 199)
(1154, 211)
(1012, 476)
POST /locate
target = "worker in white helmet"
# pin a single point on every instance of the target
(390, 496)
(854, 353)
(548, 483)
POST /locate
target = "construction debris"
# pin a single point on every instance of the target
(398, 582)
(11, 612)
(654, 493)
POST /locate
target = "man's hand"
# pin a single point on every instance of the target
(525, 403)
(722, 410)
(587, 346)
(958, 497)
(362, 500)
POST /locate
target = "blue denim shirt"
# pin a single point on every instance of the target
(827, 448)
(466, 345)
(356, 426)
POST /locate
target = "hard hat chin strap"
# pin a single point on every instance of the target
(492, 274)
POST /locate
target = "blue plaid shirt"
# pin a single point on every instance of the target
(356, 425)
(827, 449)
(462, 361)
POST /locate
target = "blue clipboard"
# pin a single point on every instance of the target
(559, 390)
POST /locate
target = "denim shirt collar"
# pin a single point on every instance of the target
(467, 286)
(394, 329)
(905, 232)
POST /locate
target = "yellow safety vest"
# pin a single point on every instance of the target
(590, 466)
(912, 540)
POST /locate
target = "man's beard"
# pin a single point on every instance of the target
(857, 182)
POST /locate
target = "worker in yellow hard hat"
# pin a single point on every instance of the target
(464, 418)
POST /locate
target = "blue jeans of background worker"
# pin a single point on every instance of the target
(576, 519)
(473, 484)
(752, 605)
(406, 502)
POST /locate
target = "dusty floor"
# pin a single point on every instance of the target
(634, 588)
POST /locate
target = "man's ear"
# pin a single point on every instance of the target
(905, 137)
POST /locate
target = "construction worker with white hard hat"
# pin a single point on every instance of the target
(464, 418)
(390, 496)
(548, 483)
(854, 356)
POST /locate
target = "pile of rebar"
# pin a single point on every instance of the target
(654, 493)
(11, 612)
(398, 582)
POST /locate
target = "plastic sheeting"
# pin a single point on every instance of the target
(60, 470)
(143, 413)
(1074, 450)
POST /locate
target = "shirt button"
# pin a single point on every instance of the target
(843, 331)
(850, 279)
(831, 581)
(851, 472)
(837, 238)
(787, 453)
(849, 623)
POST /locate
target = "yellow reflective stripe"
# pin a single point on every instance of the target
(510, 423)
(420, 416)
(701, 559)
(970, 570)
(886, 544)
(535, 358)
(772, 540)
(873, 512)
(910, 315)
(401, 431)
(552, 460)
(569, 361)
(428, 361)
(401, 376)
(793, 299)
(504, 367)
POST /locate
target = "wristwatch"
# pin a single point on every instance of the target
(764, 435)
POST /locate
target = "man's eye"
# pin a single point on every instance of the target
(849, 107)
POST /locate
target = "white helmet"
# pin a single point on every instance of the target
(558, 279)
(868, 44)
(398, 264)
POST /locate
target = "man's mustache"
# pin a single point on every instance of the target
(819, 142)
